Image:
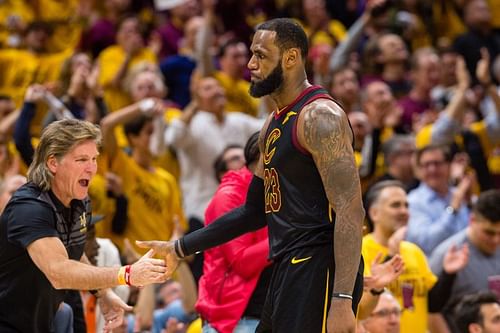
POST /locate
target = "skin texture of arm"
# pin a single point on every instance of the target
(123, 116)
(50, 256)
(112, 120)
(204, 39)
(323, 129)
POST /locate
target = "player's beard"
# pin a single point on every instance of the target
(269, 84)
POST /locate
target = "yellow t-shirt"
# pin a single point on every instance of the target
(102, 205)
(57, 10)
(417, 279)
(167, 161)
(238, 98)
(49, 70)
(420, 37)
(15, 156)
(18, 69)
(490, 150)
(110, 61)
(153, 199)
(495, 13)
(65, 36)
(195, 326)
(62, 15)
(335, 34)
(13, 10)
(424, 136)
(448, 23)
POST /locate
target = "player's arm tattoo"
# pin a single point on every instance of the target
(327, 135)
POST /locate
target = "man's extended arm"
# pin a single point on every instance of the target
(325, 132)
(50, 256)
(245, 218)
(204, 39)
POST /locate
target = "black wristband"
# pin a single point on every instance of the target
(376, 292)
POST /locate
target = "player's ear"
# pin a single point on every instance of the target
(291, 57)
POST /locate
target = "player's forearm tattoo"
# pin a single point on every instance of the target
(328, 137)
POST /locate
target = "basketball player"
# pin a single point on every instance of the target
(312, 205)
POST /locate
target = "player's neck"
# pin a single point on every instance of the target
(289, 92)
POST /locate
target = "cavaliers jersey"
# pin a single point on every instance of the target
(298, 212)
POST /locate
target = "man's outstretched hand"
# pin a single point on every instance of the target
(163, 249)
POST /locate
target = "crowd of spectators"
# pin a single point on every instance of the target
(167, 80)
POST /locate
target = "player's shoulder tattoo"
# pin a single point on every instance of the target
(324, 126)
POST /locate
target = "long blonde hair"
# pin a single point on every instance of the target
(57, 140)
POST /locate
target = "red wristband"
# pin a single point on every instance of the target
(127, 275)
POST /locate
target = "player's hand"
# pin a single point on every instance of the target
(163, 249)
(113, 309)
(340, 317)
(147, 270)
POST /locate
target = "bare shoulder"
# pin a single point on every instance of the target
(322, 122)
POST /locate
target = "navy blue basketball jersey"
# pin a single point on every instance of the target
(298, 212)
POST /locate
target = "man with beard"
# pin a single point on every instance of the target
(198, 136)
(310, 183)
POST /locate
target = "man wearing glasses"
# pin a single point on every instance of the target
(385, 318)
(437, 210)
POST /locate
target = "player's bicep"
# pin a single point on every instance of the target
(324, 131)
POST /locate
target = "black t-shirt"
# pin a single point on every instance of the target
(28, 301)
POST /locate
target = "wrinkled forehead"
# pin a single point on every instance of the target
(87, 147)
(264, 40)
